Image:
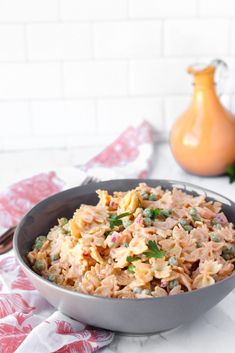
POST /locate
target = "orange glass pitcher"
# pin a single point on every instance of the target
(203, 138)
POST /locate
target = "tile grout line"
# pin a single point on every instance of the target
(89, 60)
(92, 41)
(31, 123)
(26, 43)
(230, 37)
(124, 19)
(198, 9)
(62, 80)
(163, 35)
(59, 10)
(129, 79)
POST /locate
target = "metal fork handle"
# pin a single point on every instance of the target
(6, 240)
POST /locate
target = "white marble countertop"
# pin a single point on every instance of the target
(214, 331)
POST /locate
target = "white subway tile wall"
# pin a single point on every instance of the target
(77, 72)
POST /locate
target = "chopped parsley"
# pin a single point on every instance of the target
(131, 268)
(230, 171)
(154, 251)
(132, 258)
(106, 233)
(164, 213)
(115, 220)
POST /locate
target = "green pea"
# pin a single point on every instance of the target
(214, 222)
(144, 195)
(152, 197)
(39, 265)
(183, 222)
(188, 227)
(39, 241)
(215, 237)
(232, 250)
(192, 211)
(218, 226)
(185, 225)
(148, 212)
(166, 213)
(173, 283)
(147, 221)
(146, 291)
(63, 221)
(226, 254)
(51, 277)
(55, 257)
(126, 223)
(173, 261)
(194, 215)
(126, 245)
(198, 244)
(137, 290)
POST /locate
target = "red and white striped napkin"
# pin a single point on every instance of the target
(28, 323)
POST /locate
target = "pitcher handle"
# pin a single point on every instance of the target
(221, 75)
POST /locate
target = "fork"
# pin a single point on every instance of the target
(6, 238)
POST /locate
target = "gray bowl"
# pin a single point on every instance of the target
(136, 316)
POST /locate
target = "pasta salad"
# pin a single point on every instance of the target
(143, 243)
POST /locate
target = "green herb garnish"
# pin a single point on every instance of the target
(115, 220)
(131, 268)
(154, 251)
(163, 213)
(132, 258)
(106, 233)
(230, 171)
(156, 212)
